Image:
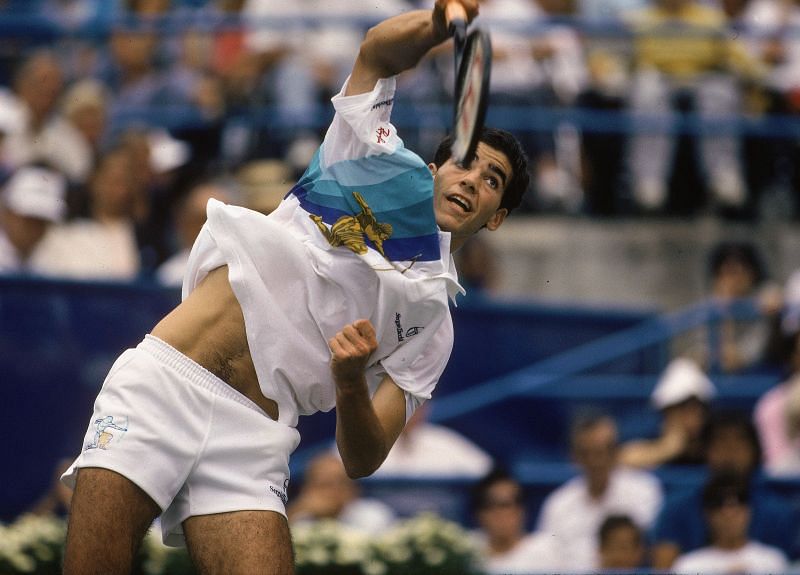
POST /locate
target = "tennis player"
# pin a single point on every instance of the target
(339, 298)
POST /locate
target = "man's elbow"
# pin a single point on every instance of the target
(363, 464)
(360, 469)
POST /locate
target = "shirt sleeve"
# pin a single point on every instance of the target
(419, 378)
(361, 126)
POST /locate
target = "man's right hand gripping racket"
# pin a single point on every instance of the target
(473, 63)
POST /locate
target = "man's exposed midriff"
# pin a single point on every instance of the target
(208, 327)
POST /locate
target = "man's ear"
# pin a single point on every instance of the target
(496, 220)
(433, 168)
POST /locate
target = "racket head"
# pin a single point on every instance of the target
(472, 96)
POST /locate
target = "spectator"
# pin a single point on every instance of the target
(682, 397)
(731, 445)
(84, 108)
(540, 70)
(292, 72)
(774, 414)
(573, 513)
(505, 546)
(31, 201)
(140, 82)
(189, 219)
(622, 544)
(768, 28)
(745, 307)
(39, 131)
(608, 52)
(264, 183)
(685, 60)
(726, 507)
(328, 493)
(478, 269)
(606, 11)
(102, 246)
(159, 164)
(789, 465)
(428, 450)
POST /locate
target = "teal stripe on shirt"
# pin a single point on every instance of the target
(397, 187)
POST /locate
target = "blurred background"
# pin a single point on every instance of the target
(661, 227)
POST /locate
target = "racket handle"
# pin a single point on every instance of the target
(456, 18)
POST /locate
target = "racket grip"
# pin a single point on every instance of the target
(456, 18)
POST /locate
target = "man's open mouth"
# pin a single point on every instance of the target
(461, 202)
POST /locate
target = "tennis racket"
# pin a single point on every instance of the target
(473, 65)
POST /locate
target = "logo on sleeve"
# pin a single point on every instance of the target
(403, 334)
(382, 103)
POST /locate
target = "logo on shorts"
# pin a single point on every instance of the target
(281, 494)
(102, 435)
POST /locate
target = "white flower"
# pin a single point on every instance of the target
(318, 556)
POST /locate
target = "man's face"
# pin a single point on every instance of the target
(503, 515)
(728, 522)
(730, 449)
(465, 200)
(595, 451)
(623, 549)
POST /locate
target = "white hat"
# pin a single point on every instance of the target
(166, 152)
(37, 193)
(682, 380)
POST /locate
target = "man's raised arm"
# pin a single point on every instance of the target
(399, 43)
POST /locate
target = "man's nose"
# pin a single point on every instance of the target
(469, 180)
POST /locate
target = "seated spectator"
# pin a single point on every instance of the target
(622, 544)
(478, 273)
(189, 219)
(159, 163)
(573, 513)
(505, 546)
(774, 417)
(731, 444)
(31, 201)
(429, 450)
(731, 549)
(102, 246)
(264, 183)
(681, 396)
(84, 107)
(745, 305)
(684, 60)
(789, 465)
(39, 130)
(328, 493)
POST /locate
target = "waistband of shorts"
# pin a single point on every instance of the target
(193, 371)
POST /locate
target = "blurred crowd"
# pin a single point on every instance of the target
(113, 113)
(120, 119)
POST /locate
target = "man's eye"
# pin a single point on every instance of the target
(492, 181)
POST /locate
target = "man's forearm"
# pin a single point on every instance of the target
(399, 43)
(360, 436)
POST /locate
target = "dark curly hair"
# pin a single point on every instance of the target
(505, 142)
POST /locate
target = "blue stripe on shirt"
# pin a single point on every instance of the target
(404, 199)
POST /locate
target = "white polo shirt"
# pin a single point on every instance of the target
(313, 265)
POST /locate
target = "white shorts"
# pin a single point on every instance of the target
(189, 440)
